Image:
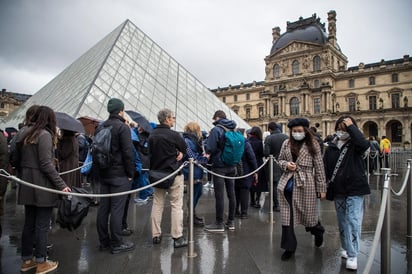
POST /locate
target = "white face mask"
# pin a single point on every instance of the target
(298, 136)
(342, 135)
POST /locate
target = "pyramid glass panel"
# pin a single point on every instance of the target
(128, 65)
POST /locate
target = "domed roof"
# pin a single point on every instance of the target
(304, 30)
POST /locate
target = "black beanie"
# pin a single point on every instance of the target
(115, 106)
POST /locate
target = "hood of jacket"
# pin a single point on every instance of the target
(230, 124)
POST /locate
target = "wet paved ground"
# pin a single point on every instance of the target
(254, 247)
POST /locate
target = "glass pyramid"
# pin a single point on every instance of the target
(130, 66)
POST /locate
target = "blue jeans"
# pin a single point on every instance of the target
(349, 211)
(35, 232)
(197, 192)
(143, 180)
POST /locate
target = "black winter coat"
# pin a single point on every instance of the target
(122, 150)
(351, 177)
(249, 164)
(257, 146)
(164, 145)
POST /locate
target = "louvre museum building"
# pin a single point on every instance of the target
(307, 75)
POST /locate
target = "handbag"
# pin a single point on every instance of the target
(289, 186)
(157, 175)
(329, 191)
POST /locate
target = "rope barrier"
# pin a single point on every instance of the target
(7, 175)
(404, 184)
(234, 178)
(77, 168)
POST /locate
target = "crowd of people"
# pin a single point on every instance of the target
(306, 168)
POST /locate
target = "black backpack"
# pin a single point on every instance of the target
(101, 148)
(73, 209)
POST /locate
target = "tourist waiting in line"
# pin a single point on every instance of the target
(35, 151)
(385, 150)
(261, 184)
(143, 180)
(167, 148)
(302, 182)
(373, 154)
(126, 231)
(68, 157)
(242, 186)
(117, 178)
(273, 144)
(214, 147)
(349, 184)
(193, 138)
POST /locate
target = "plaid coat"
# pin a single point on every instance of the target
(309, 178)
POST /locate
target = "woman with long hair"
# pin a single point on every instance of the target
(302, 182)
(193, 138)
(346, 171)
(261, 185)
(37, 166)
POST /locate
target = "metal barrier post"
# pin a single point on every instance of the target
(386, 228)
(271, 189)
(409, 210)
(191, 243)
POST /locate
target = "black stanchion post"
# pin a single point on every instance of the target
(191, 244)
(409, 210)
(271, 189)
(409, 219)
(386, 228)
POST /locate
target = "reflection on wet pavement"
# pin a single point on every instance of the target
(254, 247)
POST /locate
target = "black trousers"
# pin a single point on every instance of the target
(288, 241)
(220, 184)
(35, 232)
(242, 199)
(111, 211)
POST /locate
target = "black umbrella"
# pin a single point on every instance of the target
(140, 119)
(67, 122)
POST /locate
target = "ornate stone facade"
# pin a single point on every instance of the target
(307, 75)
(10, 101)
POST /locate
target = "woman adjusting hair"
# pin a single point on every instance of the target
(345, 170)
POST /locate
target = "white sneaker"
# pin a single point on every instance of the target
(343, 254)
(139, 201)
(352, 263)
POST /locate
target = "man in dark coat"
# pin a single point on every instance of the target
(214, 147)
(117, 178)
(4, 163)
(273, 144)
(167, 148)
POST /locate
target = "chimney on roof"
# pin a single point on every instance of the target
(275, 34)
(332, 27)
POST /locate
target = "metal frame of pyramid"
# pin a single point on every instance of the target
(128, 65)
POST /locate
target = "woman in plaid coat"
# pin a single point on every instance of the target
(301, 159)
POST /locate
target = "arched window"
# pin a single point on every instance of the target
(2, 105)
(316, 83)
(316, 63)
(295, 67)
(276, 71)
(294, 106)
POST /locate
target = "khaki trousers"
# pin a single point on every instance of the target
(176, 203)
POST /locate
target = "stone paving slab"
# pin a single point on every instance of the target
(254, 247)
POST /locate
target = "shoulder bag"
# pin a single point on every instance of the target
(329, 192)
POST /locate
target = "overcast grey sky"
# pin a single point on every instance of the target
(221, 42)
